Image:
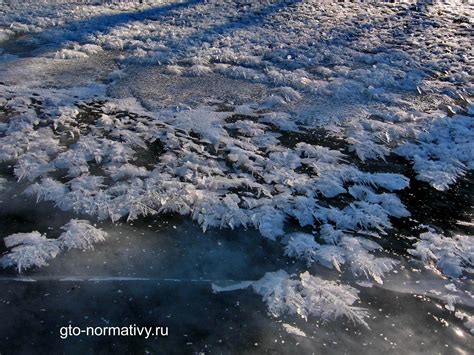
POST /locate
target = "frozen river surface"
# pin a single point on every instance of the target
(268, 177)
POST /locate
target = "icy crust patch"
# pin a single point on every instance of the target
(299, 44)
(114, 160)
(309, 296)
(451, 255)
(357, 55)
(34, 249)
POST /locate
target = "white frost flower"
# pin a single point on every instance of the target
(308, 295)
(28, 250)
(80, 234)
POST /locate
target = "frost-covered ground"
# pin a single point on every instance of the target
(326, 150)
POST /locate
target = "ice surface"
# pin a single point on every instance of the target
(279, 117)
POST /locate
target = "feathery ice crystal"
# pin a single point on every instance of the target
(34, 249)
(307, 295)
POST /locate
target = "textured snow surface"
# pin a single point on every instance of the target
(271, 115)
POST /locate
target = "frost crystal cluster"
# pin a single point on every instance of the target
(452, 255)
(308, 295)
(34, 249)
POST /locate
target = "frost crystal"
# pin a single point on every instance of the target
(452, 255)
(307, 296)
(28, 250)
(302, 246)
(33, 249)
(79, 234)
(353, 251)
(293, 330)
(443, 151)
